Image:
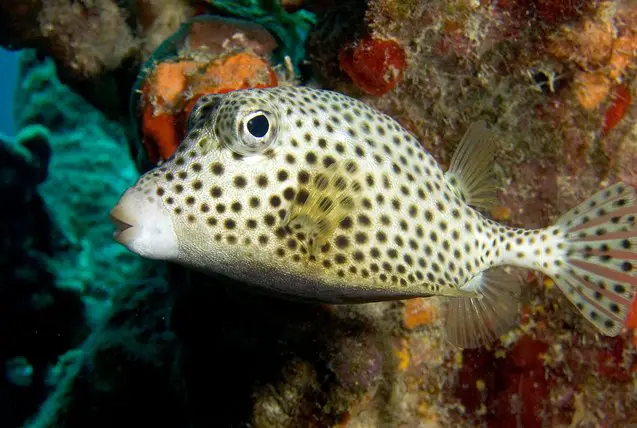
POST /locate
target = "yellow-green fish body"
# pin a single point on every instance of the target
(313, 194)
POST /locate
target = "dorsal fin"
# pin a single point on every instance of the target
(330, 196)
(471, 322)
(471, 170)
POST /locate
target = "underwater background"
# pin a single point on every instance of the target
(94, 93)
(9, 67)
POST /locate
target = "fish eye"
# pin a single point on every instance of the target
(256, 131)
(258, 125)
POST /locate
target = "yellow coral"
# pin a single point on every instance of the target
(548, 283)
(591, 89)
(501, 213)
(588, 44)
(403, 355)
(419, 311)
(623, 56)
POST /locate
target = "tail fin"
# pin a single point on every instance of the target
(599, 273)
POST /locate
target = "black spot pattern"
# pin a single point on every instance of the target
(408, 231)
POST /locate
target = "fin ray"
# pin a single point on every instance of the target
(605, 199)
(471, 322)
(599, 275)
(471, 170)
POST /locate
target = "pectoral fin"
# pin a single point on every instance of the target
(321, 204)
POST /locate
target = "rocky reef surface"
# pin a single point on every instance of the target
(94, 336)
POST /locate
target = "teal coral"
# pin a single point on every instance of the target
(89, 169)
(23, 167)
(29, 159)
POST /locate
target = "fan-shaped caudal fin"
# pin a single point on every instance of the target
(599, 272)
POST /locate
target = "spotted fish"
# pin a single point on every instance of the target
(312, 194)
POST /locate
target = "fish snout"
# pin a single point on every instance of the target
(122, 220)
(144, 226)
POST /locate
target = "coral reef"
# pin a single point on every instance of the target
(68, 30)
(289, 27)
(87, 173)
(131, 356)
(555, 78)
(98, 45)
(38, 321)
(375, 66)
(60, 269)
(207, 55)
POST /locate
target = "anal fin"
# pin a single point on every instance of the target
(471, 170)
(321, 204)
(456, 292)
(471, 322)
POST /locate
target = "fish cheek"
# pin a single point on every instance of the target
(197, 246)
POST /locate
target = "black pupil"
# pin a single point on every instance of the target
(258, 126)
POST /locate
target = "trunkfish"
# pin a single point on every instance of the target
(312, 194)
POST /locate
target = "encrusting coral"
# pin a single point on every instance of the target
(207, 55)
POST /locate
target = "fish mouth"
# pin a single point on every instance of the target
(123, 226)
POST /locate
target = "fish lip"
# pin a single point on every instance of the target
(121, 226)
